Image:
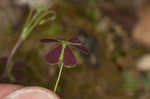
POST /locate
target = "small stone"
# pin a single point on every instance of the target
(143, 63)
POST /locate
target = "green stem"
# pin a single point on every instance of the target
(11, 77)
(58, 78)
(27, 30)
(9, 64)
(31, 22)
(61, 65)
(29, 17)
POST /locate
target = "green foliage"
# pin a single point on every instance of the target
(91, 12)
(146, 81)
(40, 7)
(53, 29)
(138, 51)
(130, 81)
(93, 2)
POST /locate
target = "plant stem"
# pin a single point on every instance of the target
(29, 17)
(26, 31)
(59, 75)
(31, 22)
(9, 64)
(61, 65)
(35, 23)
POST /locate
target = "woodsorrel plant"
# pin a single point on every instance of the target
(63, 55)
(36, 15)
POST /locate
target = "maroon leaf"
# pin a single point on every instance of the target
(15, 70)
(69, 59)
(81, 48)
(3, 60)
(19, 64)
(53, 56)
(74, 40)
(48, 40)
(18, 75)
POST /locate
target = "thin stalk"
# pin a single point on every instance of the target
(29, 17)
(59, 75)
(32, 20)
(61, 65)
(27, 31)
(9, 64)
(30, 24)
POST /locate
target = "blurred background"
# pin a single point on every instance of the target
(116, 32)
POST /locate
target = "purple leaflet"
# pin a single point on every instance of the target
(3, 60)
(53, 56)
(49, 40)
(69, 59)
(81, 48)
(16, 71)
(18, 75)
(74, 40)
(19, 64)
(16, 68)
